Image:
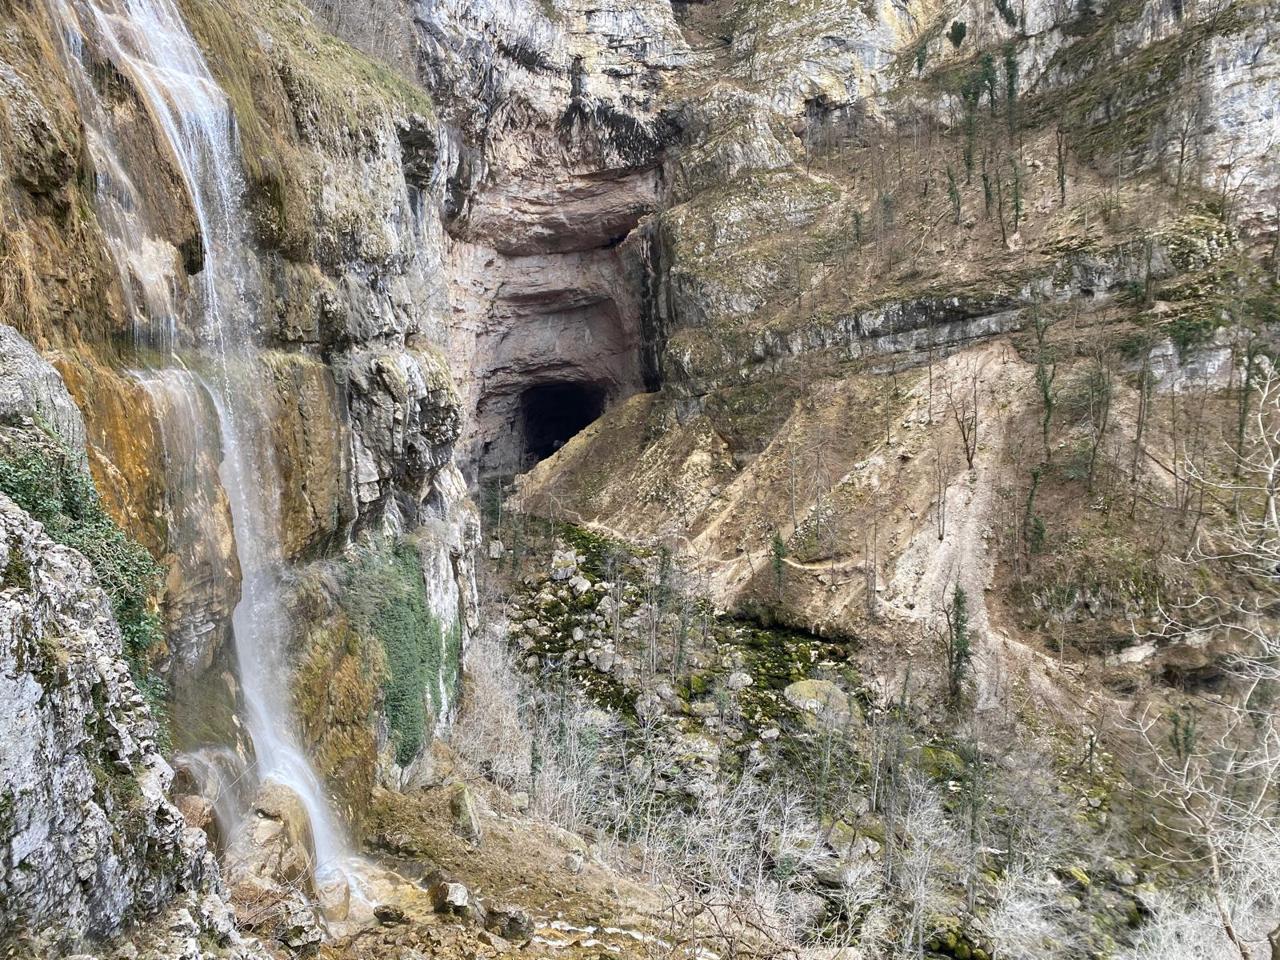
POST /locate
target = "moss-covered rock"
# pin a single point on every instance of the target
(386, 598)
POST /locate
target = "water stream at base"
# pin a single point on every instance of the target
(147, 41)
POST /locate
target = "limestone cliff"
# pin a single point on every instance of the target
(90, 843)
(845, 306)
(866, 191)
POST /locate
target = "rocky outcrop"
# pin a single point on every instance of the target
(31, 389)
(91, 849)
(276, 850)
(405, 419)
(89, 844)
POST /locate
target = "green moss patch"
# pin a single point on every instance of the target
(386, 598)
(45, 482)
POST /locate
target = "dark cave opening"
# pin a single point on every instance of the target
(552, 413)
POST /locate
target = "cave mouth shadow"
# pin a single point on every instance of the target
(552, 413)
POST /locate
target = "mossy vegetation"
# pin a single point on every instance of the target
(45, 481)
(386, 598)
(337, 686)
(705, 646)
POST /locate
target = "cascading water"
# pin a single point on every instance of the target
(145, 266)
(147, 41)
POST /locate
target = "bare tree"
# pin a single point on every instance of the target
(931, 841)
(1027, 914)
(1046, 372)
(870, 566)
(1060, 137)
(1100, 391)
(941, 481)
(962, 401)
(1215, 794)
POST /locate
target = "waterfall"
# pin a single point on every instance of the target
(147, 41)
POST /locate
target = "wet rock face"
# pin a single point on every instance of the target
(42, 160)
(87, 839)
(270, 869)
(311, 447)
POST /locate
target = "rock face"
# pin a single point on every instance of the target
(31, 388)
(405, 418)
(276, 850)
(88, 841)
(80, 768)
(548, 160)
(790, 261)
(477, 227)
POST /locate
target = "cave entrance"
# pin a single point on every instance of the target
(553, 413)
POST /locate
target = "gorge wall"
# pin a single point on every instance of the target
(411, 273)
(662, 259)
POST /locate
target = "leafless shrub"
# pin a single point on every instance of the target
(547, 743)
(1027, 921)
(1213, 767)
(923, 878)
(489, 733)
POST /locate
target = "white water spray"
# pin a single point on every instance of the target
(148, 42)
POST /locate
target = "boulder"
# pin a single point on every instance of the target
(333, 895)
(564, 564)
(298, 929)
(197, 811)
(466, 813)
(272, 848)
(823, 702)
(649, 705)
(389, 915)
(455, 900)
(509, 922)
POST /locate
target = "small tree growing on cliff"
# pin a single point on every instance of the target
(953, 194)
(778, 560)
(962, 400)
(1099, 393)
(1046, 373)
(955, 642)
(941, 480)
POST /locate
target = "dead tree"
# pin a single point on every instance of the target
(962, 401)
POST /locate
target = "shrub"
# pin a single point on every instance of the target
(957, 32)
(45, 483)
